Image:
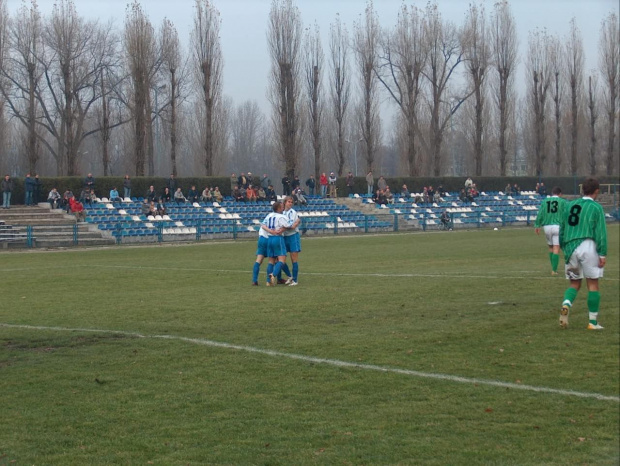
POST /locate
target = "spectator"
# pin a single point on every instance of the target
(37, 190)
(323, 182)
(150, 194)
(542, 190)
(28, 189)
(217, 195)
(333, 192)
(295, 183)
(127, 187)
(298, 196)
(468, 183)
(265, 182)
(171, 184)
(233, 182)
(179, 198)
(207, 195)
(350, 183)
(237, 195)
(7, 190)
(114, 196)
(54, 198)
(286, 185)
(382, 184)
(431, 194)
(68, 194)
(192, 195)
(251, 194)
(86, 197)
(516, 191)
(166, 196)
(160, 208)
(242, 181)
(445, 220)
(463, 195)
(404, 192)
(145, 208)
(77, 209)
(261, 195)
(508, 190)
(389, 197)
(249, 179)
(89, 182)
(311, 184)
(271, 194)
(370, 182)
(425, 195)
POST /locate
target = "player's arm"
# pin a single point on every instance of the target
(600, 237)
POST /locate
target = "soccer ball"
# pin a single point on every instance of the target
(495, 229)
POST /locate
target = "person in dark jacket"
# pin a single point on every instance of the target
(89, 182)
(28, 189)
(311, 184)
(7, 190)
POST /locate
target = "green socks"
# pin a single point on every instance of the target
(569, 296)
(555, 259)
(594, 300)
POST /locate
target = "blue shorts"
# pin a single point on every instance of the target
(276, 247)
(293, 243)
(261, 250)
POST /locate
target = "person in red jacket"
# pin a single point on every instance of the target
(323, 182)
(77, 208)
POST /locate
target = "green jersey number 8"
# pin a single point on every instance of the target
(573, 218)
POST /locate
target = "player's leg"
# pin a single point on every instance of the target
(592, 272)
(270, 266)
(256, 269)
(594, 300)
(574, 273)
(295, 259)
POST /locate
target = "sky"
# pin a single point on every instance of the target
(244, 27)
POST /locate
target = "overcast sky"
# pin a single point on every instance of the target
(244, 24)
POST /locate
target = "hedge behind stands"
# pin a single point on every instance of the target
(139, 185)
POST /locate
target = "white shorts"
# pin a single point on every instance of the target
(552, 233)
(584, 262)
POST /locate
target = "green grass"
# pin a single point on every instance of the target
(474, 304)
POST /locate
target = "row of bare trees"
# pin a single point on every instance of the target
(82, 94)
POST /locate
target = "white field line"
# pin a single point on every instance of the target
(335, 362)
(327, 274)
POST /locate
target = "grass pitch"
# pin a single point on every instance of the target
(167, 355)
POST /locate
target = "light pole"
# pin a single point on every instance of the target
(355, 152)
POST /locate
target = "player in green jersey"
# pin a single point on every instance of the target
(583, 239)
(549, 217)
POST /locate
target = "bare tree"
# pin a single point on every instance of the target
(593, 113)
(609, 64)
(209, 61)
(22, 71)
(477, 54)
(366, 42)
(314, 80)
(444, 57)
(539, 74)
(4, 45)
(574, 60)
(504, 58)
(246, 128)
(340, 86)
(284, 38)
(403, 59)
(557, 89)
(174, 74)
(141, 53)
